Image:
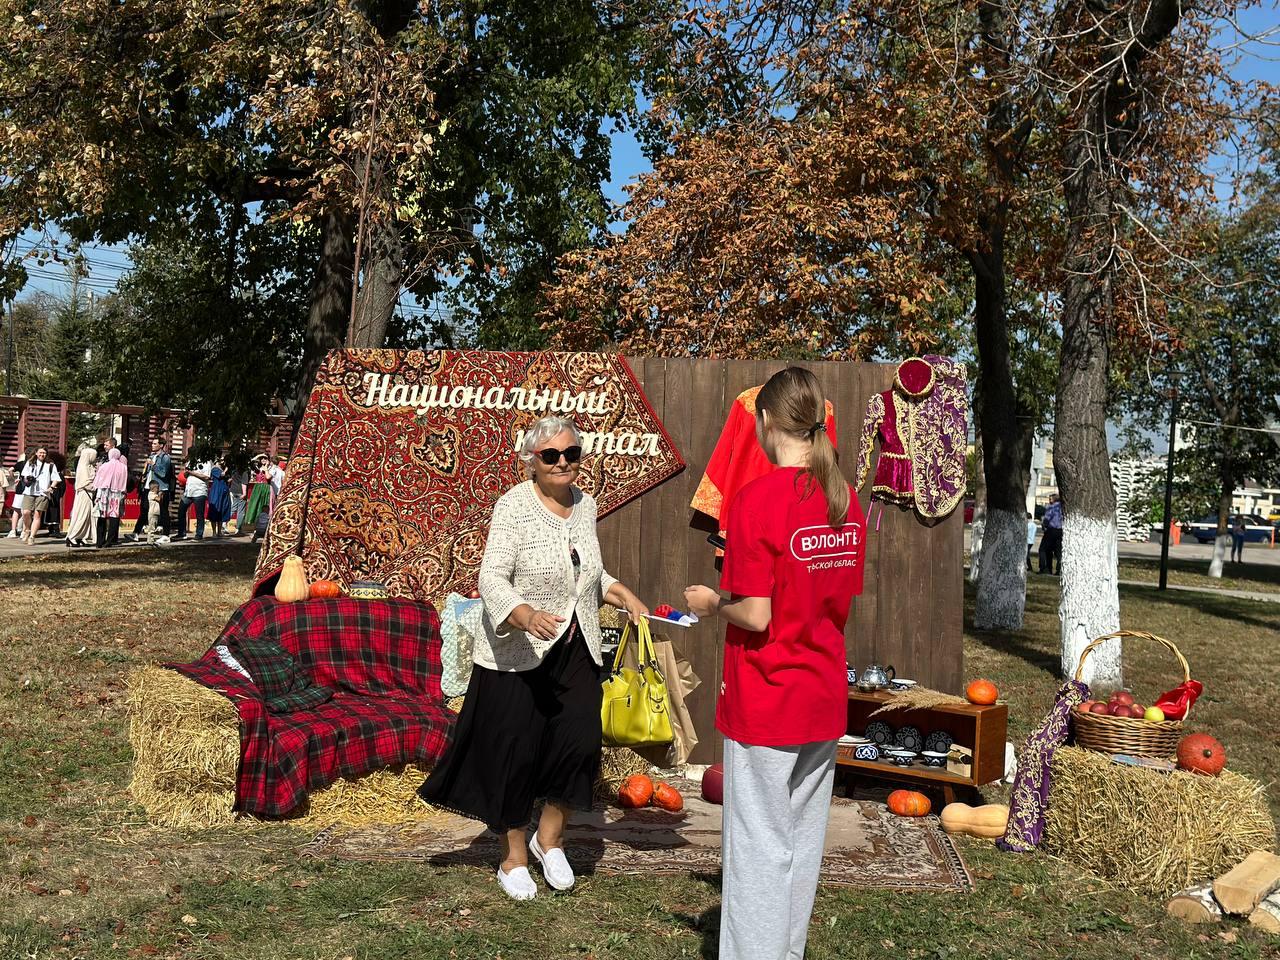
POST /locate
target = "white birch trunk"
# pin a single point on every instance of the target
(1002, 582)
(1090, 602)
(1221, 549)
(975, 546)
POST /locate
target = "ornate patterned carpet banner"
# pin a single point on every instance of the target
(402, 453)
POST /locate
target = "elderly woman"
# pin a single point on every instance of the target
(529, 730)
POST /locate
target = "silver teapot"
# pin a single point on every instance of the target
(876, 677)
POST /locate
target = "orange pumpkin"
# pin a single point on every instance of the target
(668, 798)
(1200, 753)
(325, 590)
(909, 803)
(635, 792)
(981, 692)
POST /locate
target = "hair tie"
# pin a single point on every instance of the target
(819, 427)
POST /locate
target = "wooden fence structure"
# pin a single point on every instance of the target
(910, 612)
(60, 425)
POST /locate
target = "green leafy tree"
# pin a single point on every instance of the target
(203, 325)
(453, 149)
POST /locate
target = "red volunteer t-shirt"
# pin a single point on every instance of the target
(789, 685)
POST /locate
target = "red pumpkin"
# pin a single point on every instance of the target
(1200, 753)
(909, 803)
(981, 692)
(668, 798)
(635, 792)
(324, 590)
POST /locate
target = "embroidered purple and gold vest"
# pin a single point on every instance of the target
(922, 426)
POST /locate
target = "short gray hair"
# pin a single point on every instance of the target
(542, 431)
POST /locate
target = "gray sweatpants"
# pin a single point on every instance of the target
(776, 803)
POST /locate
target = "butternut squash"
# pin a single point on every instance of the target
(987, 821)
(292, 584)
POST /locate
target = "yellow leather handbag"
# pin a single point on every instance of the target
(633, 711)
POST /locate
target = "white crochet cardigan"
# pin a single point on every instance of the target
(527, 559)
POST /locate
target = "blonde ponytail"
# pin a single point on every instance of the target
(797, 406)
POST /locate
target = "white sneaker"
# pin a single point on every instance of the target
(13, 535)
(517, 884)
(555, 866)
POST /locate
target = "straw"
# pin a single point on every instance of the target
(1157, 833)
(918, 698)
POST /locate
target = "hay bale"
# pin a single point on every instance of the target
(186, 753)
(616, 764)
(1156, 833)
(186, 749)
(383, 796)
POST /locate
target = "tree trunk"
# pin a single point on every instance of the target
(1110, 118)
(978, 527)
(330, 303)
(1222, 542)
(1090, 601)
(1006, 452)
(383, 270)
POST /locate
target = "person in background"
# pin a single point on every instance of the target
(163, 477)
(154, 529)
(237, 486)
(104, 449)
(257, 512)
(218, 507)
(39, 475)
(108, 486)
(1052, 524)
(1237, 539)
(195, 495)
(1031, 537)
(13, 484)
(53, 510)
(529, 730)
(81, 530)
(144, 498)
(792, 564)
(275, 476)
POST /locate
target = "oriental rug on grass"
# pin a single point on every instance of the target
(401, 455)
(867, 846)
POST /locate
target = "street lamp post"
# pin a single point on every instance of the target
(1168, 484)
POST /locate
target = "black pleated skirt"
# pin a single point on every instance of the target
(522, 739)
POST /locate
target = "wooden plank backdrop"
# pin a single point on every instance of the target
(909, 614)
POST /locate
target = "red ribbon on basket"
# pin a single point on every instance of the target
(1176, 702)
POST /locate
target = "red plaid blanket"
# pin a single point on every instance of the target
(383, 659)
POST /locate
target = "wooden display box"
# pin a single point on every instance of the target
(980, 730)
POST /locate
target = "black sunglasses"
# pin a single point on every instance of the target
(551, 456)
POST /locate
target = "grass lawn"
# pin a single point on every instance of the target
(1253, 577)
(83, 875)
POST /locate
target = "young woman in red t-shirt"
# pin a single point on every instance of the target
(793, 564)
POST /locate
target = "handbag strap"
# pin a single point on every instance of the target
(645, 653)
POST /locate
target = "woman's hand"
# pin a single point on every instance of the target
(543, 625)
(635, 608)
(702, 601)
(622, 598)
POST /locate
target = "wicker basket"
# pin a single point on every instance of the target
(1140, 738)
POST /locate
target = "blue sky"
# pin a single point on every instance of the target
(1254, 61)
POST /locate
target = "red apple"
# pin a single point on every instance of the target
(1118, 709)
(1099, 707)
(1123, 696)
